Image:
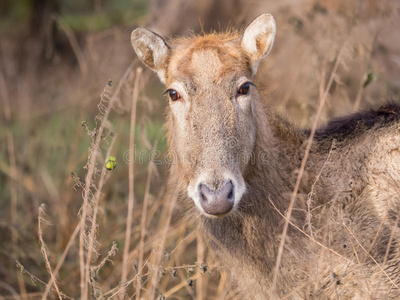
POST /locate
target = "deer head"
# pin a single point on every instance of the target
(212, 123)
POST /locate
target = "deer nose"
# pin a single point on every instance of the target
(217, 202)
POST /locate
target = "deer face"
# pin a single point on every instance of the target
(211, 95)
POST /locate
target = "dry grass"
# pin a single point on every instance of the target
(115, 237)
(324, 88)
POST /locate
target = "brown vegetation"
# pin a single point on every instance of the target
(43, 141)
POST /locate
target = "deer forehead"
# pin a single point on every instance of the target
(206, 66)
(207, 63)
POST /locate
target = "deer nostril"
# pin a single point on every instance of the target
(203, 197)
(231, 194)
(217, 202)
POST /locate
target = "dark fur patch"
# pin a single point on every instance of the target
(358, 123)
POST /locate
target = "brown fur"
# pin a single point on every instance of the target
(348, 197)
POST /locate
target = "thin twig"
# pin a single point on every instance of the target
(165, 228)
(359, 263)
(35, 279)
(43, 248)
(373, 259)
(13, 176)
(122, 286)
(181, 285)
(143, 221)
(74, 43)
(14, 295)
(306, 234)
(62, 258)
(23, 180)
(309, 204)
(131, 200)
(88, 184)
(362, 86)
(200, 259)
(387, 252)
(331, 264)
(96, 206)
(303, 165)
(333, 251)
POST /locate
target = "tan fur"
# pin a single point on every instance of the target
(348, 198)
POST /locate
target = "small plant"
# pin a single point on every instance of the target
(111, 163)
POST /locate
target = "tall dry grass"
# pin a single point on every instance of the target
(118, 234)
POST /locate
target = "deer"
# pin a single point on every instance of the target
(237, 162)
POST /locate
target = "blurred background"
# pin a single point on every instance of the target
(56, 58)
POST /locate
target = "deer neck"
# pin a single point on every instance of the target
(249, 238)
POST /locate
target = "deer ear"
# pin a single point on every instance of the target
(152, 50)
(258, 38)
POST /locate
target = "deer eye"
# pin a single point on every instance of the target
(244, 89)
(174, 95)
